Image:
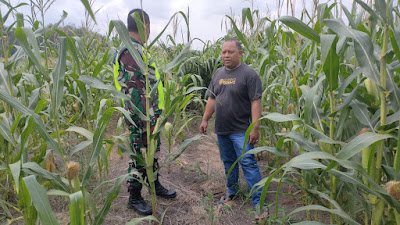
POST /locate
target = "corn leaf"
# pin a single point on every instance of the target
(34, 98)
(310, 105)
(363, 47)
(97, 84)
(380, 7)
(394, 90)
(370, 10)
(83, 92)
(179, 58)
(126, 114)
(14, 102)
(277, 117)
(185, 101)
(265, 182)
(98, 135)
(192, 89)
(4, 81)
(359, 143)
(163, 30)
(74, 53)
(5, 132)
(300, 27)
(128, 43)
(321, 136)
(348, 98)
(170, 157)
(89, 9)
(299, 139)
(240, 35)
(25, 200)
(349, 17)
(58, 75)
(34, 169)
(112, 194)
(140, 27)
(10, 9)
(82, 131)
(139, 220)
(55, 26)
(393, 118)
(79, 147)
(362, 113)
(15, 170)
(308, 164)
(337, 209)
(40, 200)
(22, 38)
(80, 50)
(246, 14)
(330, 60)
(272, 150)
(76, 208)
(100, 65)
(33, 43)
(396, 164)
(347, 81)
(54, 192)
(26, 133)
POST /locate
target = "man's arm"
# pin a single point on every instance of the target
(210, 108)
(255, 115)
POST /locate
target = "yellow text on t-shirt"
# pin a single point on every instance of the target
(227, 81)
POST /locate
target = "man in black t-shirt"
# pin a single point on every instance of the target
(235, 96)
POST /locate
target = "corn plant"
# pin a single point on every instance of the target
(34, 124)
(336, 105)
(327, 78)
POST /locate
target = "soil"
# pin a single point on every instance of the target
(199, 183)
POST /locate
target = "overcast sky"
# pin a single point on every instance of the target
(206, 16)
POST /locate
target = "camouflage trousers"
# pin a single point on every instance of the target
(138, 140)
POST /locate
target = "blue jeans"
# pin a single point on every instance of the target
(231, 148)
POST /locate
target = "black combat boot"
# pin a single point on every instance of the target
(136, 201)
(162, 191)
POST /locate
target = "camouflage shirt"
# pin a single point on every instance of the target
(132, 82)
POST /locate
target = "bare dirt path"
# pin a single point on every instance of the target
(199, 184)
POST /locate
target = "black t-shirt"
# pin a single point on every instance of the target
(234, 90)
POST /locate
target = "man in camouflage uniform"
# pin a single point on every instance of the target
(131, 81)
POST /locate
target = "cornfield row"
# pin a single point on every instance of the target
(330, 123)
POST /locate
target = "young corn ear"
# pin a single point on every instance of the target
(168, 126)
(72, 170)
(393, 188)
(50, 166)
(72, 173)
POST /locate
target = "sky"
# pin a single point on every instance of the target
(206, 16)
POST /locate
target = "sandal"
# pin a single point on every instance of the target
(226, 198)
(261, 216)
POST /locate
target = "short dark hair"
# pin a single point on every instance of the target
(132, 26)
(238, 43)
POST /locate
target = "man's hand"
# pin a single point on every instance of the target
(255, 116)
(254, 136)
(207, 115)
(203, 127)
